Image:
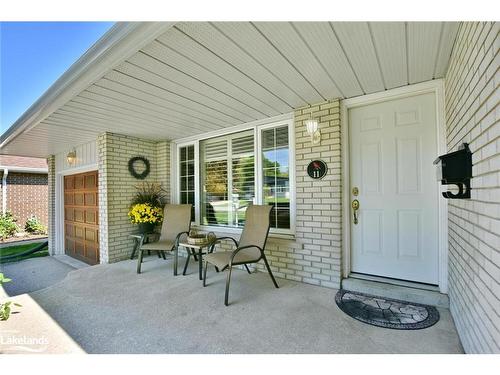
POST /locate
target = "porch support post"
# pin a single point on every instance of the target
(51, 227)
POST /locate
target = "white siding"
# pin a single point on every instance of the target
(86, 155)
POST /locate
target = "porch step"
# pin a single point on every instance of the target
(404, 293)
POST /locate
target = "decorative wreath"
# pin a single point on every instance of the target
(133, 172)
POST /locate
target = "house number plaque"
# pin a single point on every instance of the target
(317, 169)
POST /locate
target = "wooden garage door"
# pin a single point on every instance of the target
(81, 226)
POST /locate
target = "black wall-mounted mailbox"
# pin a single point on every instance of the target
(455, 168)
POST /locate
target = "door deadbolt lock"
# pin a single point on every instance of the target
(355, 191)
(355, 208)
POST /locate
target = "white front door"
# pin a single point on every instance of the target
(392, 147)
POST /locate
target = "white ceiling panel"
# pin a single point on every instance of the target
(155, 109)
(248, 37)
(192, 84)
(423, 45)
(223, 47)
(357, 43)
(291, 45)
(389, 39)
(448, 36)
(154, 89)
(198, 53)
(197, 71)
(326, 47)
(158, 98)
(197, 77)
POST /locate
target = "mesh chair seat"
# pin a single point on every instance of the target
(221, 259)
(162, 245)
(250, 248)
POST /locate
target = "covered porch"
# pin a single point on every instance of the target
(155, 312)
(225, 115)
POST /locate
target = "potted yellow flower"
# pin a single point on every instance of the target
(146, 209)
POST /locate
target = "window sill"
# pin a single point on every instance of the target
(220, 231)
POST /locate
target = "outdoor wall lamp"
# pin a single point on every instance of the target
(71, 157)
(312, 129)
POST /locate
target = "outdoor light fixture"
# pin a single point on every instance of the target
(71, 157)
(312, 129)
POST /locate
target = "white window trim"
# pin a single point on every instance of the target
(257, 127)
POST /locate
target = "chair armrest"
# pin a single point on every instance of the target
(178, 237)
(243, 248)
(218, 239)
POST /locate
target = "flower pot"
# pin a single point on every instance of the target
(146, 227)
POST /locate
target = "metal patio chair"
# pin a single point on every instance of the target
(176, 223)
(250, 249)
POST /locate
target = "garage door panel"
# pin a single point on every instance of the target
(90, 199)
(79, 199)
(91, 217)
(69, 182)
(69, 214)
(68, 198)
(81, 217)
(79, 182)
(90, 181)
(91, 235)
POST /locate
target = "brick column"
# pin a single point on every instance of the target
(117, 187)
(51, 225)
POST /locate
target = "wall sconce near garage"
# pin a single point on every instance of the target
(71, 157)
(455, 168)
(312, 128)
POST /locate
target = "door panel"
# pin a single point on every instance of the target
(81, 217)
(392, 147)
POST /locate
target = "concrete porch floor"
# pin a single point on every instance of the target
(111, 309)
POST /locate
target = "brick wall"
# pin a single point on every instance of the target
(314, 257)
(27, 195)
(117, 187)
(472, 115)
(51, 203)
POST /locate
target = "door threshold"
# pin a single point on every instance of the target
(388, 280)
(396, 289)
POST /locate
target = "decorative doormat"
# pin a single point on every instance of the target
(386, 312)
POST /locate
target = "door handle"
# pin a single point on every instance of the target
(355, 208)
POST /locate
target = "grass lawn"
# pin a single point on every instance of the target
(12, 250)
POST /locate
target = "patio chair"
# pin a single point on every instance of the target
(250, 249)
(176, 222)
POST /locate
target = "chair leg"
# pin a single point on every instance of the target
(269, 270)
(163, 255)
(139, 261)
(159, 254)
(186, 264)
(205, 274)
(228, 281)
(247, 269)
(176, 259)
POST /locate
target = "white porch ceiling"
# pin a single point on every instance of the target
(202, 76)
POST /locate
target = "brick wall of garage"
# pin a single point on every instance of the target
(472, 115)
(314, 256)
(27, 194)
(117, 187)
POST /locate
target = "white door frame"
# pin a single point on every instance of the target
(436, 87)
(59, 204)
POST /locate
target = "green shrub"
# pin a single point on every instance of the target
(8, 226)
(34, 226)
(5, 307)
